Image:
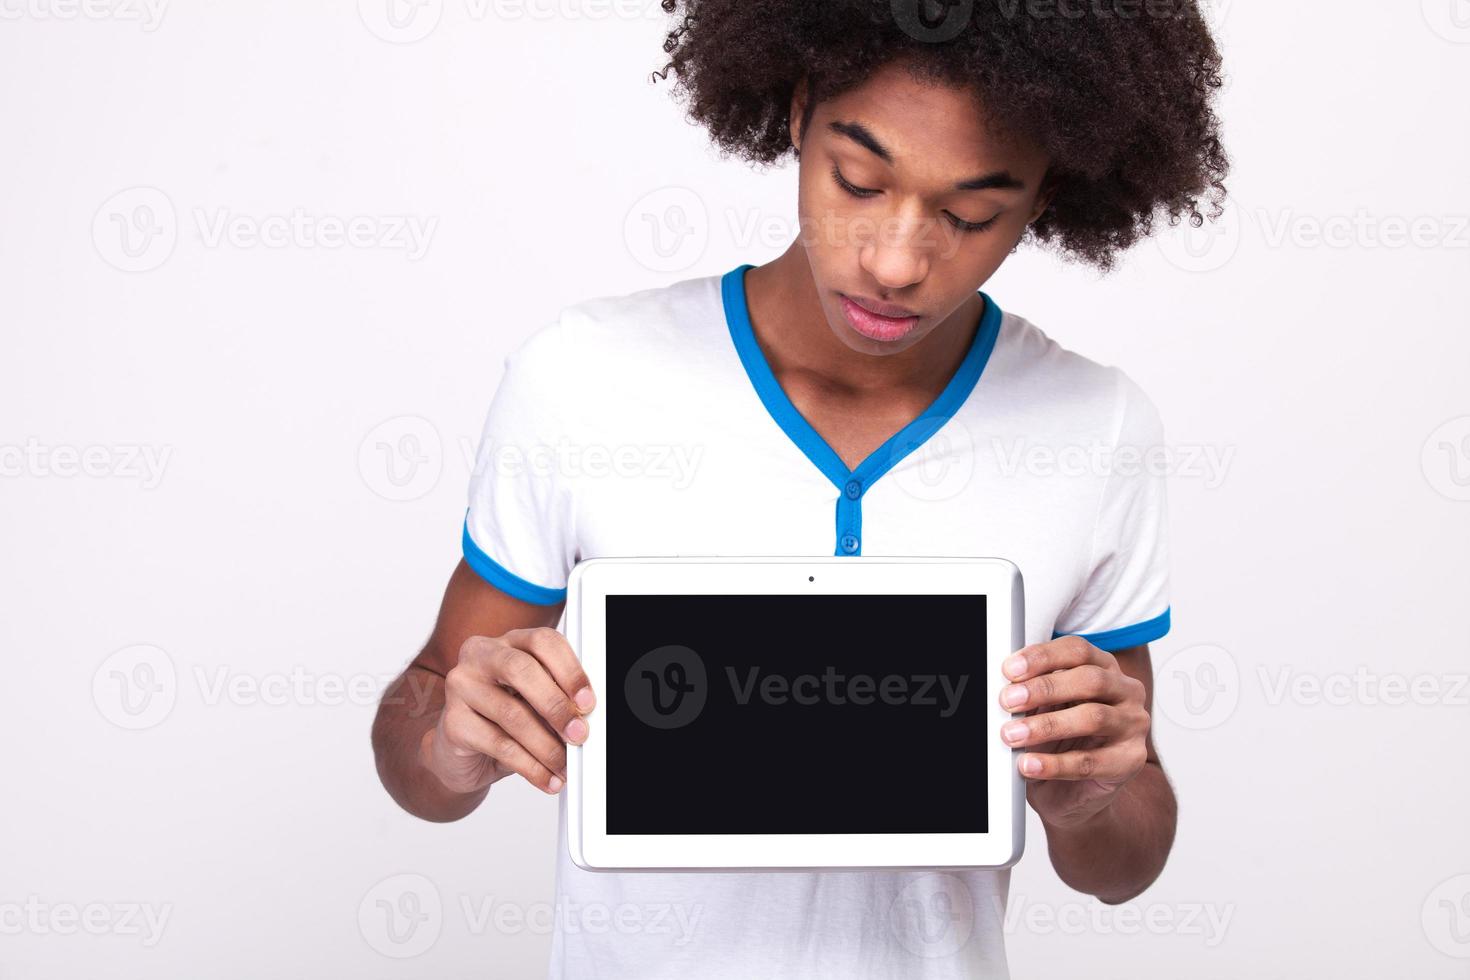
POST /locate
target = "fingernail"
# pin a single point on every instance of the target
(584, 699)
(1014, 695)
(1030, 765)
(1014, 732)
(554, 784)
(576, 730)
(1014, 666)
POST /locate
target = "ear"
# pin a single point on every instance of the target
(1043, 197)
(798, 110)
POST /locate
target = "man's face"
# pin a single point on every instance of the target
(907, 203)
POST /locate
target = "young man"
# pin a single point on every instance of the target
(813, 398)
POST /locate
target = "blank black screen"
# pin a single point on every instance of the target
(861, 714)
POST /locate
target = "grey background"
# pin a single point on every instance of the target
(193, 650)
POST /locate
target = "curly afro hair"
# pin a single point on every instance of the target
(1118, 92)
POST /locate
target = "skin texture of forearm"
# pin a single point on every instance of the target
(409, 709)
(1122, 850)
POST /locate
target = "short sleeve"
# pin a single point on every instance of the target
(519, 532)
(1124, 600)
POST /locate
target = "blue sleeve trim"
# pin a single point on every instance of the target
(1127, 636)
(511, 584)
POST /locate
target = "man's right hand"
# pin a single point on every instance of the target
(511, 704)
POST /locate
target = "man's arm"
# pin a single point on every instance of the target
(1122, 850)
(1109, 822)
(412, 709)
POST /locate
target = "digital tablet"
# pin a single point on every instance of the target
(794, 713)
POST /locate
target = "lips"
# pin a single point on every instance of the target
(874, 323)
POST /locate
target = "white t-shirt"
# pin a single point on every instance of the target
(650, 424)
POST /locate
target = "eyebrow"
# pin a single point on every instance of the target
(861, 135)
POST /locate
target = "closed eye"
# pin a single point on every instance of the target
(854, 191)
(866, 192)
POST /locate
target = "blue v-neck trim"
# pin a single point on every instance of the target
(854, 482)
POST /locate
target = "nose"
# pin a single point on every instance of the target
(898, 254)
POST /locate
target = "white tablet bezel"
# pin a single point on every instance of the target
(591, 581)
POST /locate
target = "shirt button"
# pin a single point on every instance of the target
(854, 489)
(849, 543)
